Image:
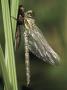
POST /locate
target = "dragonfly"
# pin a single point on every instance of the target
(34, 41)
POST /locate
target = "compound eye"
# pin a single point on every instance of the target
(30, 13)
(21, 8)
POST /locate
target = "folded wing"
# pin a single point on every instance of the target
(38, 44)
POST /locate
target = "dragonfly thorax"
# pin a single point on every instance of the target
(29, 23)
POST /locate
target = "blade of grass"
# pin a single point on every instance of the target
(14, 11)
(9, 52)
(4, 70)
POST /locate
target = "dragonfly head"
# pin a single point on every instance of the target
(21, 10)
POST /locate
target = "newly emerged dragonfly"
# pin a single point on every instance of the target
(34, 41)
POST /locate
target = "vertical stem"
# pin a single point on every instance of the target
(4, 71)
(14, 12)
(27, 62)
(9, 51)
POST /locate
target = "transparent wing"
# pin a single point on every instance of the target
(38, 44)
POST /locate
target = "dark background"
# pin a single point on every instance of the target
(51, 18)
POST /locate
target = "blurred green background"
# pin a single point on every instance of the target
(51, 18)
